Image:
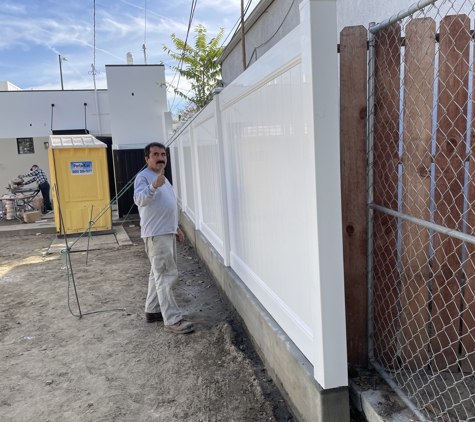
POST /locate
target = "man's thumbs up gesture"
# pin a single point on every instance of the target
(160, 180)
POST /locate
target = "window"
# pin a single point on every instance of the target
(25, 146)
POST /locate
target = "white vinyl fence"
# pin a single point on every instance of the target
(244, 173)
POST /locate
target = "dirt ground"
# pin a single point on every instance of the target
(113, 366)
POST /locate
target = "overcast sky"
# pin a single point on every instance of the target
(34, 32)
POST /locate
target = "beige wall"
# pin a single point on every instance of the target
(12, 164)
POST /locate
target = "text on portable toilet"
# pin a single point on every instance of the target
(82, 167)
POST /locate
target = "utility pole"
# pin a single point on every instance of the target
(243, 40)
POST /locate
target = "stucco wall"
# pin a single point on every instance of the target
(349, 13)
(274, 24)
(28, 114)
(12, 164)
(134, 101)
(138, 102)
(8, 86)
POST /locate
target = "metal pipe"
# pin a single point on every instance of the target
(93, 72)
(427, 224)
(61, 59)
(421, 417)
(401, 15)
(61, 72)
(144, 49)
(369, 188)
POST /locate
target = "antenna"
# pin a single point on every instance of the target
(144, 49)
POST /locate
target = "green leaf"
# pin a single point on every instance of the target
(198, 64)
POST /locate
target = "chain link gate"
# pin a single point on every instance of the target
(421, 196)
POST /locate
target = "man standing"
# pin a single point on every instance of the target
(40, 178)
(154, 196)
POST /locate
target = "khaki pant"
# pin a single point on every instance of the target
(161, 251)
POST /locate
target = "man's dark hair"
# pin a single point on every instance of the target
(153, 144)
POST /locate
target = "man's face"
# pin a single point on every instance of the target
(157, 160)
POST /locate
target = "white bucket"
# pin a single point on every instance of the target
(10, 208)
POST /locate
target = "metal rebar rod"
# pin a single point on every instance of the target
(427, 224)
(89, 234)
(421, 417)
(68, 258)
(401, 15)
(370, 182)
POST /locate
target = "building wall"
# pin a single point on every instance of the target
(133, 111)
(28, 114)
(8, 86)
(279, 17)
(276, 21)
(138, 103)
(12, 164)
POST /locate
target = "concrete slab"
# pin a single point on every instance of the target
(99, 242)
(376, 400)
(15, 228)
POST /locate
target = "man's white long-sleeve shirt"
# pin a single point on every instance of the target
(157, 207)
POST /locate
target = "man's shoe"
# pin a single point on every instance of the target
(153, 317)
(181, 327)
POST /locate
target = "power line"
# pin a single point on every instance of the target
(94, 72)
(145, 29)
(180, 63)
(144, 46)
(94, 61)
(223, 43)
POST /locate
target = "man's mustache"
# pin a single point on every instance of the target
(160, 162)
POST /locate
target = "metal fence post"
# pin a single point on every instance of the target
(371, 81)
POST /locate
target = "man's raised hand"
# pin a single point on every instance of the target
(160, 180)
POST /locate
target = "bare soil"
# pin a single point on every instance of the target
(113, 366)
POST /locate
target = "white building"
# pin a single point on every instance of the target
(8, 86)
(129, 114)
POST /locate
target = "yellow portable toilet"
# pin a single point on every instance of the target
(80, 183)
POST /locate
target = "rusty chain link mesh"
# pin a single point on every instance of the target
(422, 184)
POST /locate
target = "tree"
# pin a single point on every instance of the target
(198, 64)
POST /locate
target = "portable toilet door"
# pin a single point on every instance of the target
(80, 183)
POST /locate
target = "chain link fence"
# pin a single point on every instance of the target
(422, 207)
